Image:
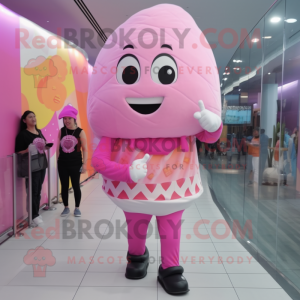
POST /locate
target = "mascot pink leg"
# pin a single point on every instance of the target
(169, 228)
(153, 94)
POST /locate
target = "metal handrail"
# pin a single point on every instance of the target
(57, 188)
(49, 205)
(30, 225)
(15, 195)
(15, 232)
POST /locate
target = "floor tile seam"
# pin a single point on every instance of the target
(100, 240)
(93, 257)
(89, 193)
(216, 249)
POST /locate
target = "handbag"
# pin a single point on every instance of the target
(38, 162)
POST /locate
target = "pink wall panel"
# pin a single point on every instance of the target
(10, 97)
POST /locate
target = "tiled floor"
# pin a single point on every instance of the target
(91, 266)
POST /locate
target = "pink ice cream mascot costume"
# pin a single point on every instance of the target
(148, 102)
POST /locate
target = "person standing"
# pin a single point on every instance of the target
(253, 149)
(30, 135)
(232, 147)
(71, 163)
(264, 144)
(290, 149)
(294, 155)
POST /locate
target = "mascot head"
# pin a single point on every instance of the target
(150, 75)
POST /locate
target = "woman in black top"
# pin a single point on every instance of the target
(71, 164)
(29, 134)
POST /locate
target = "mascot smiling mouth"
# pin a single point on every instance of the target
(145, 106)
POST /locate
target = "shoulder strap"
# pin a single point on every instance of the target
(40, 134)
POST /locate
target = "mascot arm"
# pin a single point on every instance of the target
(210, 122)
(209, 137)
(102, 163)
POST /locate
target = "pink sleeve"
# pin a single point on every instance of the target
(102, 163)
(209, 137)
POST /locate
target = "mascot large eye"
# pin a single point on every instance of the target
(164, 69)
(128, 70)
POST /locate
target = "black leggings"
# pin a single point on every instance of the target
(65, 172)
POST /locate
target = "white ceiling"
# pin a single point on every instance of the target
(218, 14)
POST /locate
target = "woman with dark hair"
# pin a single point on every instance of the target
(71, 163)
(30, 135)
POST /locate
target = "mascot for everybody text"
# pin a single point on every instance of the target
(148, 102)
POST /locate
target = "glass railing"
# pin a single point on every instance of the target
(260, 182)
(15, 195)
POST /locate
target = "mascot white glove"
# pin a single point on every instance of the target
(138, 169)
(208, 120)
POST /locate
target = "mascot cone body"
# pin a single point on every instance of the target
(153, 94)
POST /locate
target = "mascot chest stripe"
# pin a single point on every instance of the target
(169, 177)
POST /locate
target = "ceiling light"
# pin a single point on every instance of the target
(269, 73)
(239, 90)
(47, 21)
(291, 20)
(234, 60)
(221, 84)
(275, 20)
(255, 40)
(224, 78)
(267, 37)
(224, 73)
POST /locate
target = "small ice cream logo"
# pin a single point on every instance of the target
(40, 68)
(68, 143)
(40, 145)
(39, 258)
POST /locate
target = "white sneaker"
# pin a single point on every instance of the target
(37, 220)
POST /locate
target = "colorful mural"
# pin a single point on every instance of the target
(47, 75)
